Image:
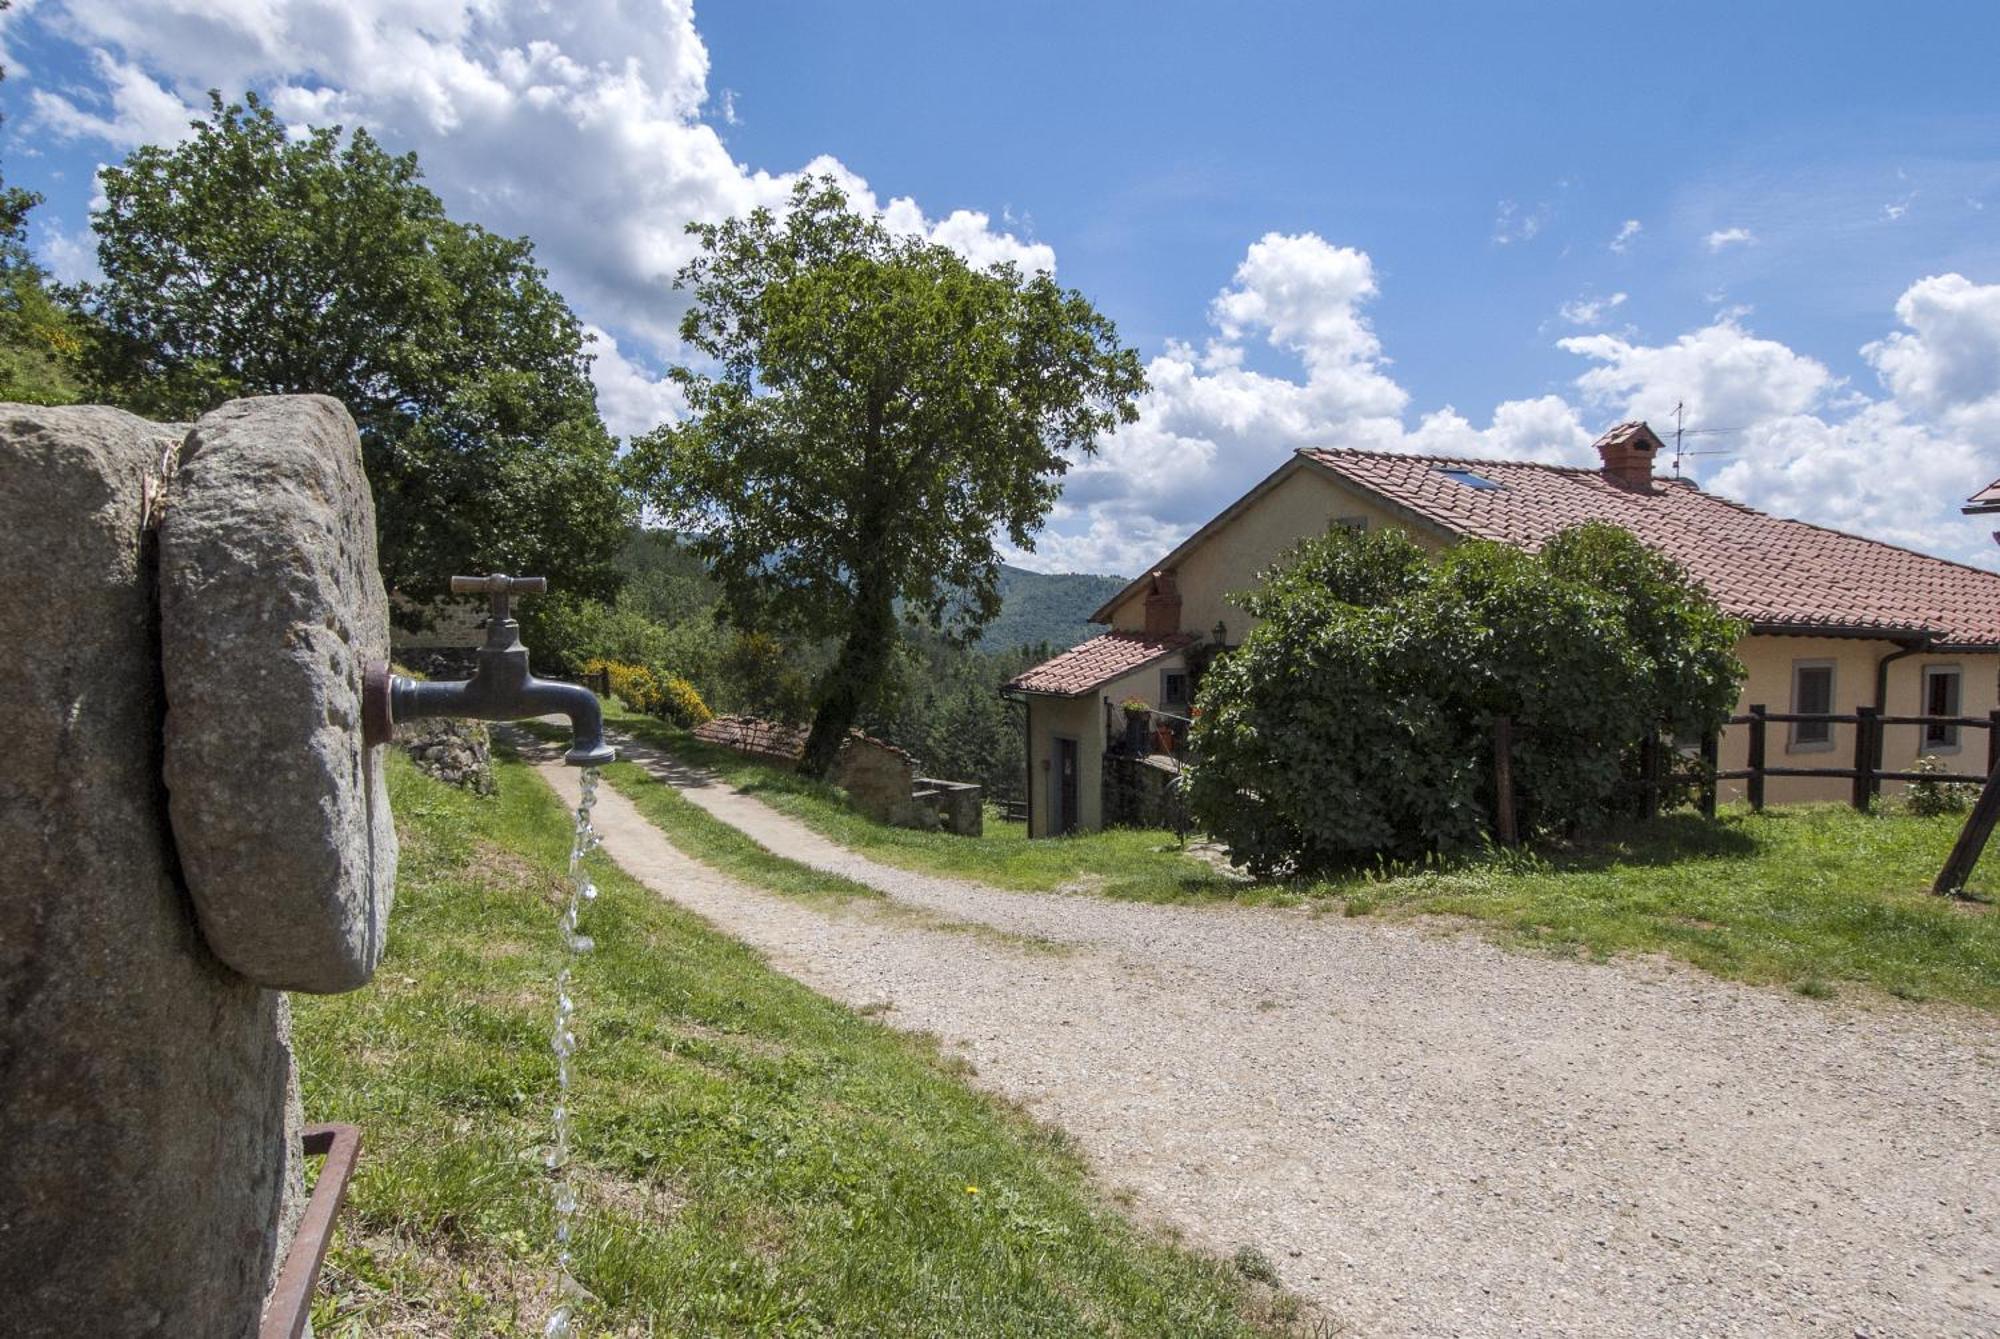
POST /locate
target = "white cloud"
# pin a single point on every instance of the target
(577, 124)
(1591, 311)
(1727, 237)
(1210, 425)
(127, 109)
(633, 399)
(1628, 233)
(1800, 441)
(1801, 444)
(1515, 224)
(71, 257)
(1726, 376)
(1947, 363)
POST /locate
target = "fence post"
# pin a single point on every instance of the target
(1503, 781)
(1711, 762)
(1757, 757)
(1867, 738)
(1972, 837)
(1649, 776)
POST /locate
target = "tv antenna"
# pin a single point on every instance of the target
(1681, 431)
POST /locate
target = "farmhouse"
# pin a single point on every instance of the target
(1835, 621)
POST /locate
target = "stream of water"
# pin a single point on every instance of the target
(563, 1042)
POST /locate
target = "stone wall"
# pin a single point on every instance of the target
(189, 825)
(878, 777)
(458, 753)
(147, 1110)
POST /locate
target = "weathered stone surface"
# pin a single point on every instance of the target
(458, 753)
(271, 606)
(144, 1159)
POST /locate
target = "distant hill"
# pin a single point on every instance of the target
(1040, 606)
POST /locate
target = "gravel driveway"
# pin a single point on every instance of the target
(1425, 1134)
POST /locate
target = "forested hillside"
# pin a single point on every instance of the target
(1043, 607)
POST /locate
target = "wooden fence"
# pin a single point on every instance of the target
(1865, 770)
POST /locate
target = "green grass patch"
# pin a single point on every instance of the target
(1810, 897)
(754, 1158)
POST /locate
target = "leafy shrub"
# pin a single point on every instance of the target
(641, 688)
(1355, 722)
(1930, 797)
(681, 704)
(634, 685)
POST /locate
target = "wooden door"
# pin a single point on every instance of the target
(1064, 810)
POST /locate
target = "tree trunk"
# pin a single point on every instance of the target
(863, 657)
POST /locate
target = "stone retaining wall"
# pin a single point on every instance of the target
(878, 777)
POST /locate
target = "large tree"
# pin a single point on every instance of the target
(878, 410)
(246, 260)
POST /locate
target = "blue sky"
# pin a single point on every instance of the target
(1321, 224)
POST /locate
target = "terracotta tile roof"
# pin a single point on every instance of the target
(1765, 569)
(1098, 661)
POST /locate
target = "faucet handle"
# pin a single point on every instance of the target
(499, 586)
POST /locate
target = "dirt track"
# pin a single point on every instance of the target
(1426, 1134)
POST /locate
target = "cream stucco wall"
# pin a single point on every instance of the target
(1769, 662)
(1083, 719)
(1229, 560)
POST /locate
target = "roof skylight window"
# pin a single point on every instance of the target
(1469, 479)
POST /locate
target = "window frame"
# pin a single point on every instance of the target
(1795, 739)
(1166, 695)
(1952, 740)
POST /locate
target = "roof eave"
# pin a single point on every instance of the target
(1188, 545)
(1867, 631)
(1096, 684)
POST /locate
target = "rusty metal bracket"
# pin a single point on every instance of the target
(289, 1311)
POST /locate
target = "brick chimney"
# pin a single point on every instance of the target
(1163, 605)
(1627, 452)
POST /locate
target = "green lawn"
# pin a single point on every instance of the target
(1817, 898)
(754, 1159)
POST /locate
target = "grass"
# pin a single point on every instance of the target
(1818, 899)
(754, 1158)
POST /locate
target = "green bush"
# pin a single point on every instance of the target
(1355, 722)
(1930, 797)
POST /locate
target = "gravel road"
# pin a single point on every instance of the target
(1425, 1134)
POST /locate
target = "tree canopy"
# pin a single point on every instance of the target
(1356, 720)
(877, 410)
(244, 261)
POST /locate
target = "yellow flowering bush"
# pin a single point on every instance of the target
(681, 703)
(664, 695)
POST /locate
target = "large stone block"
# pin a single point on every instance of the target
(145, 1160)
(271, 606)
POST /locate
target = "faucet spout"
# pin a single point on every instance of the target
(501, 688)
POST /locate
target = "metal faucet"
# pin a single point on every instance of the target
(500, 689)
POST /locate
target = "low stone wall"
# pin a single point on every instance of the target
(878, 777)
(458, 753)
